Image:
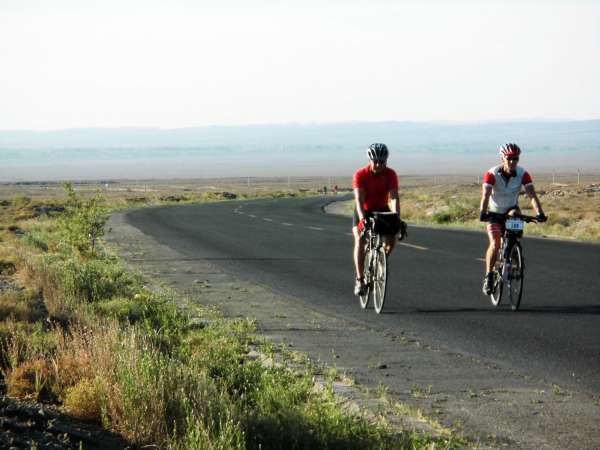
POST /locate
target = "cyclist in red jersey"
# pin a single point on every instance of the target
(375, 190)
(500, 197)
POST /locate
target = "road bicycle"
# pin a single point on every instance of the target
(375, 266)
(509, 270)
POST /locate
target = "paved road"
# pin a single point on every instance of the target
(434, 292)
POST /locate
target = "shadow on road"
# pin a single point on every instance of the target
(571, 309)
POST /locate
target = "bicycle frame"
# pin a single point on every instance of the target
(374, 240)
(506, 275)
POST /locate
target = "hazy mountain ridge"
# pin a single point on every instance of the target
(291, 149)
(401, 135)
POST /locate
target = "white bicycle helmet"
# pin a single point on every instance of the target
(510, 150)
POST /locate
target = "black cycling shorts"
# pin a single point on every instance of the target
(496, 221)
(368, 214)
(500, 218)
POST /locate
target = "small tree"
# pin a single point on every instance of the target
(84, 221)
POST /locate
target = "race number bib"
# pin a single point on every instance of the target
(515, 224)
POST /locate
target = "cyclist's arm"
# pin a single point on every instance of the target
(395, 201)
(359, 199)
(486, 192)
(535, 201)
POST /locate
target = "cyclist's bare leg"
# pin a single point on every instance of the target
(359, 252)
(492, 252)
(389, 242)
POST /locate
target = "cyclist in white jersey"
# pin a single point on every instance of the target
(500, 197)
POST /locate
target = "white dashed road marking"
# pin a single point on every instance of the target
(418, 247)
(287, 224)
(480, 259)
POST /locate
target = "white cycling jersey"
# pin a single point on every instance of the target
(505, 191)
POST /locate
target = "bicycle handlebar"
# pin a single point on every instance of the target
(523, 217)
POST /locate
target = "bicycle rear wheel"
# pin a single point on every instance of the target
(367, 277)
(379, 279)
(515, 277)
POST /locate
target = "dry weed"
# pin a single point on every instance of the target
(38, 271)
(85, 352)
(32, 379)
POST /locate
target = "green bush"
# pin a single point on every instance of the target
(83, 222)
(94, 280)
(36, 241)
(123, 309)
(84, 400)
(161, 397)
(156, 314)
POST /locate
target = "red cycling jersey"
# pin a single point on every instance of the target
(376, 187)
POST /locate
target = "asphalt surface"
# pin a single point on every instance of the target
(435, 281)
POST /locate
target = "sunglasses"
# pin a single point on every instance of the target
(512, 159)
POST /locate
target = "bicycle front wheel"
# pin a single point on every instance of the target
(515, 277)
(496, 295)
(379, 279)
(367, 277)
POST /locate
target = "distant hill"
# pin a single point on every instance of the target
(534, 135)
(289, 149)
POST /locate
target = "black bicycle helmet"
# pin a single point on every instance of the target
(378, 152)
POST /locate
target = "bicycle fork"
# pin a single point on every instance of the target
(372, 261)
(371, 269)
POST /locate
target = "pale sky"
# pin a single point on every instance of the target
(182, 63)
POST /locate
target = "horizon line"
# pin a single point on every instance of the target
(302, 123)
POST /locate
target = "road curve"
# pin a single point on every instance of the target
(291, 246)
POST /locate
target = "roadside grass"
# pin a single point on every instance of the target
(22, 305)
(573, 211)
(87, 335)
